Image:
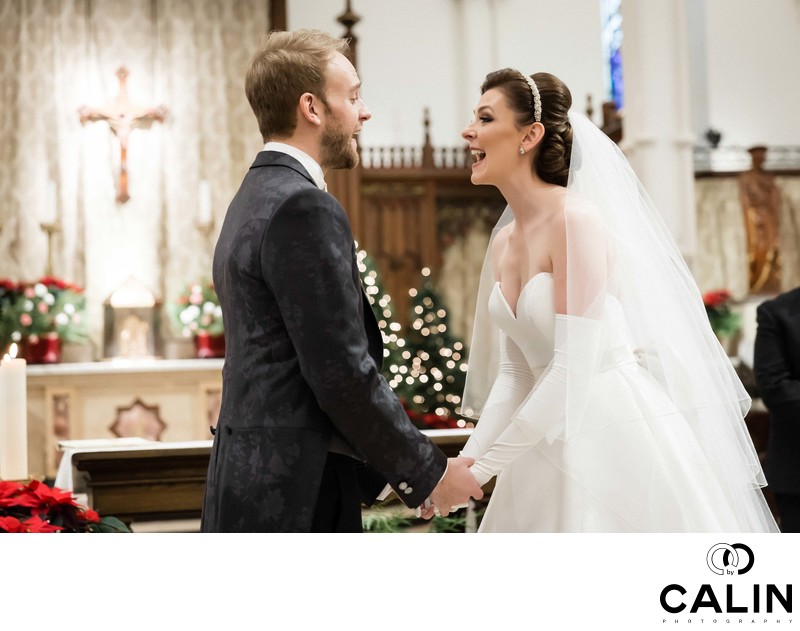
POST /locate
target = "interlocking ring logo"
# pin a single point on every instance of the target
(724, 556)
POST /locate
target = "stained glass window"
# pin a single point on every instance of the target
(611, 17)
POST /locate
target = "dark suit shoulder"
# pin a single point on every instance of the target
(314, 206)
(270, 163)
(788, 301)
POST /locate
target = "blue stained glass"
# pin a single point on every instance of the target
(611, 35)
(615, 68)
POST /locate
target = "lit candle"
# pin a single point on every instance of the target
(13, 417)
(204, 214)
(51, 210)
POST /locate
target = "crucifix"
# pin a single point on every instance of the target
(123, 118)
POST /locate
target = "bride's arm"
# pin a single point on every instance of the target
(576, 344)
(513, 384)
(545, 408)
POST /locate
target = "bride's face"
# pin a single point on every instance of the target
(494, 139)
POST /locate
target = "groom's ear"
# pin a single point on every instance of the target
(309, 106)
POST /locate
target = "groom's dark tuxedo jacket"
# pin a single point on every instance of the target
(302, 362)
(777, 370)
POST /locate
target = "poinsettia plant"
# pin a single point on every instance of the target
(36, 507)
(724, 321)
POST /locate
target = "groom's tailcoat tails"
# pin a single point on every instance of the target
(302, 370)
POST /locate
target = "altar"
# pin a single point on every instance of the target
(151, 399)
(139, 480)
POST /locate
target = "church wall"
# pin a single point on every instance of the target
(753, 83)
(419, 53)
(405, 57)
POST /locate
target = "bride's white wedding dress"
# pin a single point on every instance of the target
(634, 466)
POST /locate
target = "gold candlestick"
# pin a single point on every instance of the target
(205, 227)
(50, 229)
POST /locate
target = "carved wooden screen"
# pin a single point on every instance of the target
(400, 222)
(398, 229)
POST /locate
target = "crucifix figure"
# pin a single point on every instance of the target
(123, 118)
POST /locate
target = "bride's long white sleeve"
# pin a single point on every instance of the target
(546, 405)
(513, 384)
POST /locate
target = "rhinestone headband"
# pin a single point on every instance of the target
(537, 99)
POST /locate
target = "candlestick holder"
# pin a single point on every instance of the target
(50, 229)
(205, 227)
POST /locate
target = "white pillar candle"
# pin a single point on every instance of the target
(13, 418)
(204, 210)
(51, 209)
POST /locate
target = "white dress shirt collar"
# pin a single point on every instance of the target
(310, 165)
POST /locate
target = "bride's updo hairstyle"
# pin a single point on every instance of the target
(551, 161)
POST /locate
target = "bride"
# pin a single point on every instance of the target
(605, 403)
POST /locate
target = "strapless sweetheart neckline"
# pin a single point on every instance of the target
(522, 291)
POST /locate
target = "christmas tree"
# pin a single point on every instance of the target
(393, 363)
(426, 369)
(436, 360)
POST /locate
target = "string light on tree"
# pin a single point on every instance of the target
(427, 368)
(437, 359)
(395, 357)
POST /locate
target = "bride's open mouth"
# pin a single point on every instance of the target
(477, 156)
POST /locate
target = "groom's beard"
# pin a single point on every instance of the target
(336, 152)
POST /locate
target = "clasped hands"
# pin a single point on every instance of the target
(454, 490)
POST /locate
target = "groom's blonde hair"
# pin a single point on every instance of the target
(289, 64)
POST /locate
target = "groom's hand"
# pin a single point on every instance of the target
(456, 487)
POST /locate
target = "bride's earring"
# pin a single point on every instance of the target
(522, 150)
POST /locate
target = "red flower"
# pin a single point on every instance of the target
(57, 283)
(52, 281)
(16, 494)
(37, 524)
(8, 488)
(10, 524)
(35, 507)
(716, 298)
(50, 498)
(91, 516)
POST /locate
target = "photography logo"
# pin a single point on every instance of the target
(724, 558)
(729, 596)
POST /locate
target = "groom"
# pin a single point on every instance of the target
(308, 427)
(776, 364)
